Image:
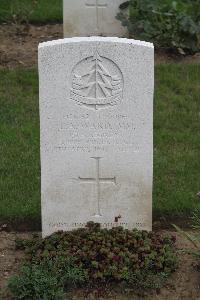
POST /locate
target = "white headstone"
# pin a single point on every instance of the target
(96, 116)
(92, 17)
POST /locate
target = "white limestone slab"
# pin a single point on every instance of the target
(92, 17)
(96, 118)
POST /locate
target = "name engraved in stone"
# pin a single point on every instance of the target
(101, 125)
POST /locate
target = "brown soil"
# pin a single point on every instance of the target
(18, 45)
(183, 284)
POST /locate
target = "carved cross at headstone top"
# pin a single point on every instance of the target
(98, 180)
(98, 5)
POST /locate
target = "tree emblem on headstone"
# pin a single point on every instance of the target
(97, 82)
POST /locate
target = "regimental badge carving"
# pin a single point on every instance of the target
(97, 82)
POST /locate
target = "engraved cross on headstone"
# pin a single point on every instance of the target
(98, 5)
(98, 180)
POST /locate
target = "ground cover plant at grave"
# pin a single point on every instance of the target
(93, 256)
(176, 144)
(168, 24)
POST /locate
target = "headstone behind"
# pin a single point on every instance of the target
(92, 17)
(96, 116)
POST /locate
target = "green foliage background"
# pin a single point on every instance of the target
(168, 24)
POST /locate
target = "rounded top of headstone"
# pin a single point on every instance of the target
(96, 39)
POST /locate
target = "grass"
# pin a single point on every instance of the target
(19, 147)
(176, 139)
(176, 142)
(44, 11)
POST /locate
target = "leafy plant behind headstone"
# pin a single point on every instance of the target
(168, 24)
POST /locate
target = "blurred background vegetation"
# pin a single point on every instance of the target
(33, 11)
(172, 25)
(169, 24)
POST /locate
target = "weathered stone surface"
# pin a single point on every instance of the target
(96, 115)
(92, 17)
